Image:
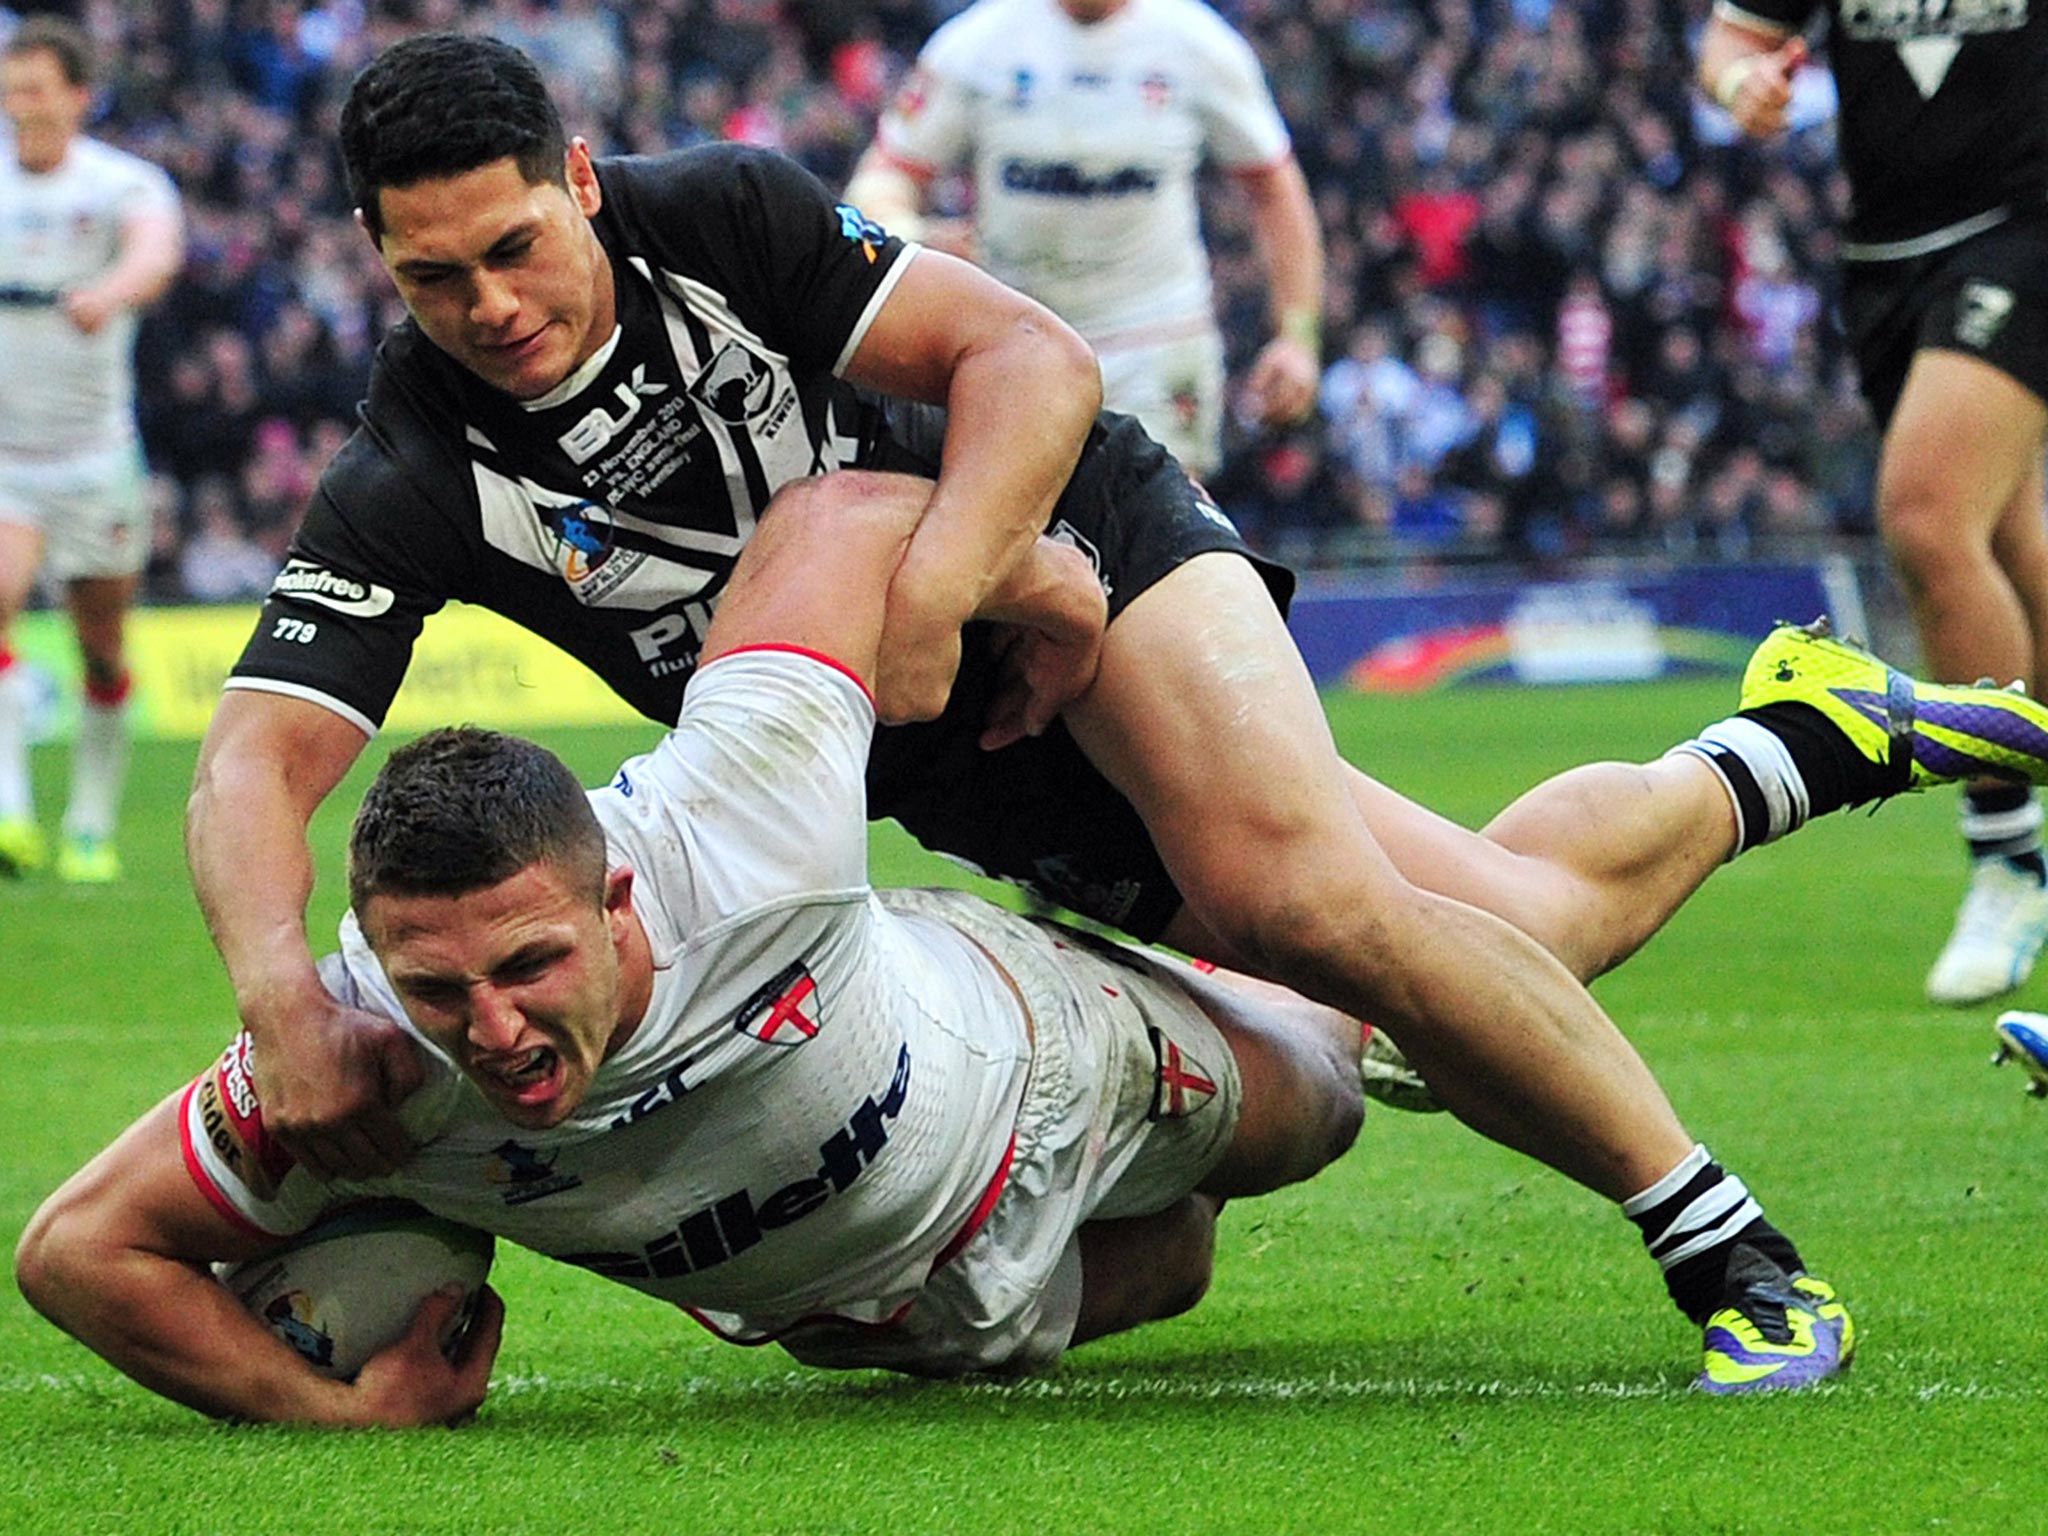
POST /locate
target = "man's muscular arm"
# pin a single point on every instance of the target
(1283, 378)
(331, 1079)
(118, 1259)
(1021, 391)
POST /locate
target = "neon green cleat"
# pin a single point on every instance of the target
(88, 861)
(1925, 733)
(1777, 1336)
(21, 848)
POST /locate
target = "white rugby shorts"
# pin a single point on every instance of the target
(1175, 387)
(91, 508)
(1133, 1096)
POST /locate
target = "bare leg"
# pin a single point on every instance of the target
(2020, 546)
(1140, 1269)
(1959, 503)
(21, 552)
(1206, 719)
(1964, 443)
(1590, 863)
(99, 758)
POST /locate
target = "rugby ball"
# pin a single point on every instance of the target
(344, 1289)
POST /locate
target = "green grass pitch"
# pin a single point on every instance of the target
(1435, 1336)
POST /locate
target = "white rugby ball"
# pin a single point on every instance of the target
(343, 1290)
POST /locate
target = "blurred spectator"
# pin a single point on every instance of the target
(220, 562)
(1556, 279)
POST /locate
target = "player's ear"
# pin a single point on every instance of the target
(582, 177)
(618, 893)
(368, 233)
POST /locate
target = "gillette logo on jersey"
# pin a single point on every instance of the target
(731, 1224)
(1062, 178)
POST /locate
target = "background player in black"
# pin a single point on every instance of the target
(1945, 294)
(519, 259)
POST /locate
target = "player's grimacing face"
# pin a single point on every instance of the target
(504, 275)
(44, 107)
(519, 982)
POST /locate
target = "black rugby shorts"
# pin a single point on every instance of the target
(1038, 812)
(1987, 296)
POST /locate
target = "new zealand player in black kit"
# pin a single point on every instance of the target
(1945, 297)
(612, 367)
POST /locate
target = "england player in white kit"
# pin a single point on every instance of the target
(1083, 124)
(88, 235)
(690, 1049)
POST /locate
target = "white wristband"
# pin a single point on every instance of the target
(1729, 85)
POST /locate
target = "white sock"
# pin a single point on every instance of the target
(99, 768)
(17, 801)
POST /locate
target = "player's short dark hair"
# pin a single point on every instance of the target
(461, 809)
(66, 40)
(441, 104)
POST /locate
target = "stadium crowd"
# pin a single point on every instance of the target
(1567, 311)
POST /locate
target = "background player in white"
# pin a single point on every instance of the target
(885, 1131)
(88, 236)
(1083, 124)
(1945, 299)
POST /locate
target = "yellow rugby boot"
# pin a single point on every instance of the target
(1776, 1333)
(88, 861)
(21, 847)
(1923, 733)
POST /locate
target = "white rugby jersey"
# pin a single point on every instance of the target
(62, 391)
(1084, 143)
(820, 1099)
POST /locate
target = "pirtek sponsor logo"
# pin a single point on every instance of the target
(734, 1223)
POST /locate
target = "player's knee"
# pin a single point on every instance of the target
(1925, 536)
(1308, 935)
(1303, 1104)
(1325, 1111)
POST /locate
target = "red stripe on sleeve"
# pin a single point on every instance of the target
(204, 1180)
(799, 650)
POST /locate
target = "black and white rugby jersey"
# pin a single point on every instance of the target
(607, 516)
(1942, 131)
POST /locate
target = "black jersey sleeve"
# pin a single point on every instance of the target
(372, 559)
(800, 269)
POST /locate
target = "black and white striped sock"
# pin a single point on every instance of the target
(1691, 1220)
(1763, 782)
(2003, 821)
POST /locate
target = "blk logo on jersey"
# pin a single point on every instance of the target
(590, 436)
(785, 1011)
(1182, 1085)
(529, 1172)
(735, 387)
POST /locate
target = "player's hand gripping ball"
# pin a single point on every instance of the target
(347, 1288)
